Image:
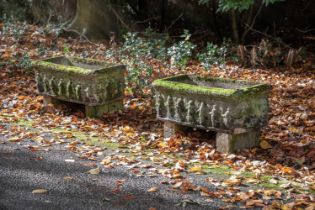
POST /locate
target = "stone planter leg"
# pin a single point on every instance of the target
(229, 143)
(50, 100)
(95, 111)
(115, 105)
(98, 111)
(170, 129)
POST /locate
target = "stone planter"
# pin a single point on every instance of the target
(236, 110)
(97, 85)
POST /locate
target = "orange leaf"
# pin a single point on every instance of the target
(265, 145)
(287, 170)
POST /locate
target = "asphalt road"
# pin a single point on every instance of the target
(22, 171)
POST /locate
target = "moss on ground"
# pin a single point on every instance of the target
(96, 141)
(83, 137)
(220, 170)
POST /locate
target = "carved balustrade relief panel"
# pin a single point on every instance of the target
(84, 81)
(236, 110)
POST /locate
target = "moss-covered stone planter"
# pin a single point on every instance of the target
(97, 85)
(236, 110)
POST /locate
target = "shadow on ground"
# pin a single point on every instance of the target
(22, 171)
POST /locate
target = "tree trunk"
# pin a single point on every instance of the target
(52, 10)
(234, 26)
(163, 12)
(94, 19)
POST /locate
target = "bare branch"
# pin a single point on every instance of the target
(268, 36)
(119, 17)
(174, 21)
(80, 34)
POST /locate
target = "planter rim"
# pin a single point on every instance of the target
(46, 63)
(252, 88)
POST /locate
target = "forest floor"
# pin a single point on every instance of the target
(278, 175)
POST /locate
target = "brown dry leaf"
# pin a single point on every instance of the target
(39, 191)
(128, 129)
(204, 191)
(233, 180)
(177, 185)
(180, 165)
(252, 181)
(288, 170)
(175, 174)
(15, 139)
(106, 161)
(243, 196)
(271, 192)
(94, 171)
(254, 202)
(153, 189)
(310, 207)
(6, 55)
(187, 186)
(287, 206)
(265, 145)
(68, 178)
(204, 194)
(295, 130)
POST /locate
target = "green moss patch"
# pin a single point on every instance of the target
(234, 88)
(83, 137)
(43, 65)
(178, 86)
(95, 141)
(220, 170)
(79, 66)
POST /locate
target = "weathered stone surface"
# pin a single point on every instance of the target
(170, 129)
(50, 100)
(78, 80)
(230, 142)
(97, 111)
(225, 106)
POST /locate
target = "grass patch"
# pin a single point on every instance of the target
(270, 186)
(221, 170)
(100, 143)
(90, 141)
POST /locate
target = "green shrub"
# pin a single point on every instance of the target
(15, 9)
(138, 50)
(24, 61)
(148, 46)
(217, 55)
(212, 55)
(240, 5)
(182, 51)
